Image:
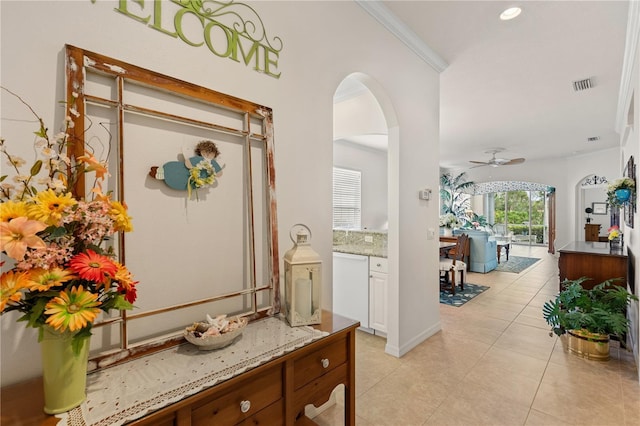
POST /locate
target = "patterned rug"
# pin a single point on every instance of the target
(462, 296)
(516, 264)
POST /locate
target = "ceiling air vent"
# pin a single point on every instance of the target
(593, 139)
(582, 84)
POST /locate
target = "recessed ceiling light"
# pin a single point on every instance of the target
(510, 13)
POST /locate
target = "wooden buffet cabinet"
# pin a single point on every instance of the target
(274, 393)
(592, 232)
(594, 260)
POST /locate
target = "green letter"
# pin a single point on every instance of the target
(268, 61)
(207, 38)
(178, 25)
(157, 19)
(122, 8)
(234, 51)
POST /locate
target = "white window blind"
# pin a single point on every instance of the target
(346, 198)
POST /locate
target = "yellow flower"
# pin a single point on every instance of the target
(72, 310)
(19, 234)
(118, 213)
(12, 209)
(44, 279)
(49, 206)
(10, 285)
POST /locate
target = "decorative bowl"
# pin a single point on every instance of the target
(196, 334)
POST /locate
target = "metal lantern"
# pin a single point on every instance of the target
(302, 279)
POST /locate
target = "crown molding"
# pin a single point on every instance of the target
(398, 28)
(630, 51)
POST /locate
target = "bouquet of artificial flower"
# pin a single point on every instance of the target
(449, 220)
(614, 232)
(61, 274)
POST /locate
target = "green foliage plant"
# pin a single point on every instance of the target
(600, 310)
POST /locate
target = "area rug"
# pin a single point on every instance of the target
(516, 264)
(462, 296)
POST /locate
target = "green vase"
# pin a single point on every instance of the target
(64, 371)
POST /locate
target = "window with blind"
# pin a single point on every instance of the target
(346, 198)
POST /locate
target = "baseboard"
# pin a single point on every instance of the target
(400, 351)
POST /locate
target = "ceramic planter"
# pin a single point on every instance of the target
(64, 371)
(623, 195)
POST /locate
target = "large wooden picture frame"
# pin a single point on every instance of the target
(214, 255)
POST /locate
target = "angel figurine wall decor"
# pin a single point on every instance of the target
(194, 173)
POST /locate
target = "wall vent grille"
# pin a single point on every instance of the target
(580, 85)
(593, 139)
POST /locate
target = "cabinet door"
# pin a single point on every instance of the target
(378, 301)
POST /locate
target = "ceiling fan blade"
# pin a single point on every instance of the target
(514, 161)
(484, 163)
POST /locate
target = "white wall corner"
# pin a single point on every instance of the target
(412, 343)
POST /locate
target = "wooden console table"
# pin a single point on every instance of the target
(594, 260)
(274, 392)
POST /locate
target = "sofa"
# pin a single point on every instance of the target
(483, 256)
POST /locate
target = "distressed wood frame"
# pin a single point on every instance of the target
(80, 63)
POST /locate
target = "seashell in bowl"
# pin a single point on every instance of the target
(215, 334)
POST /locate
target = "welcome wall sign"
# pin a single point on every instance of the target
(228, 29)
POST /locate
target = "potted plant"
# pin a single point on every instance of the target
(619, 192)
(589, 316)
(449, 221)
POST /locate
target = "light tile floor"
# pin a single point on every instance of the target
(493, 363)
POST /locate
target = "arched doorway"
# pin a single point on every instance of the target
(366, 142)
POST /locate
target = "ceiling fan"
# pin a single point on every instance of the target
(497, 162)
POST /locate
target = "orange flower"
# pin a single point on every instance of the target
(10, 285)
(19, 234)
(72, 310)
(94, 165)
(126, 283)
(94, 267)
(44, 279)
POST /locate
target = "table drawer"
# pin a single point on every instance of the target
(242, 401)
(318, 391)
(319, 362)
(272, 415)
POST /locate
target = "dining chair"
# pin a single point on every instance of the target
(449, 266)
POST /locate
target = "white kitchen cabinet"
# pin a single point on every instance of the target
(378, 308)
(351, 287)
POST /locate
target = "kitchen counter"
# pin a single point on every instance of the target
(361, 249)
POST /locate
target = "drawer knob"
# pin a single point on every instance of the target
(245, 406)
(325, 363)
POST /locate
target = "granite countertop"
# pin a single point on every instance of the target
(361, 249)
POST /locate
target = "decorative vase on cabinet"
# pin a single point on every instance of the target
(64, 370)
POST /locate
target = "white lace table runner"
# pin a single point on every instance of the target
(130, 390)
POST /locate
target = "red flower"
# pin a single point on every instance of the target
(94, 267)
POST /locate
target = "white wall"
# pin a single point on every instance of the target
(315, 59)
(629, 118)
(373, 165)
